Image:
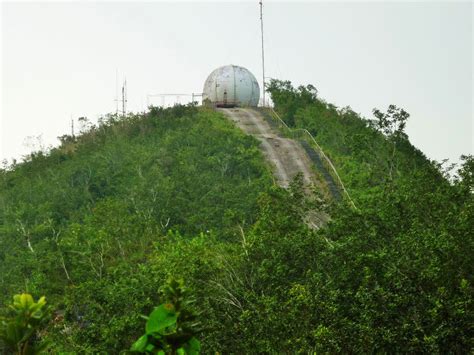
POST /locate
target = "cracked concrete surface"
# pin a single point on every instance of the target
(286, 155)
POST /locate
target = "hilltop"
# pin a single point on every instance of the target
(100, 223)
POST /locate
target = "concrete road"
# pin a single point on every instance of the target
(287, 156)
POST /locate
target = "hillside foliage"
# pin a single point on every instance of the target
(81, 223)
(101, 223)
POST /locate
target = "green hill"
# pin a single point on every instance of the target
(100, 223)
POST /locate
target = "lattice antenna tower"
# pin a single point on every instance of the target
(124, 97)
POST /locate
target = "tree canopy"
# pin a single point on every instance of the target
(100, 224)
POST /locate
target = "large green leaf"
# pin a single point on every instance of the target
(12, 333)
(162, 317)
(150, 348)
(140, 344)
(192, 347)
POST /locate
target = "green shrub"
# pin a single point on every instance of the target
(172, 326)
(19, 331)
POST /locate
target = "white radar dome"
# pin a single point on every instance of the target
(230, 86)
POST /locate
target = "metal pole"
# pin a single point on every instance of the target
(125, 97)
(123, 100)
(116, 93)
(263, 53)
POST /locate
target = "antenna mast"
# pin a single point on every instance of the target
(116, 93)
(124, 97)
(263, 53)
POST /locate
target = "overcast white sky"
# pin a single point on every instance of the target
(60, 59)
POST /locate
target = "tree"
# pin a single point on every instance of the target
(288, 99)
(466, 173)
(392, 122)
(171, 327)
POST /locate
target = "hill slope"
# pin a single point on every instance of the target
(100, 223)
(100, 202)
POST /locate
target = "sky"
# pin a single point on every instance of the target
(60, 60)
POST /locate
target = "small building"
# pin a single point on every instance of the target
(231, 86)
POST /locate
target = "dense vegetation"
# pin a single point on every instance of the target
(82, 223)
(100, 223)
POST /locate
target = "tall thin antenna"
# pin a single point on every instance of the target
(116, 93)
(123, 99)
(263, 52)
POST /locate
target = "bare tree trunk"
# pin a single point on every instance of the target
(392, 162)
(26, 235)
(64, 267)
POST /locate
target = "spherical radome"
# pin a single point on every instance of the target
(230, 86)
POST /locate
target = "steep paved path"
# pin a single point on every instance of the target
(288, 156)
